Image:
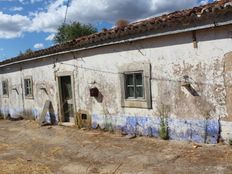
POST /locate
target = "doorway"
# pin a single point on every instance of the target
(66, 98)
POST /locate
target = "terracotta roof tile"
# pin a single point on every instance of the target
(184, 18)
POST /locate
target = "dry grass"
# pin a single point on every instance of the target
(21, 166)
(27, 148)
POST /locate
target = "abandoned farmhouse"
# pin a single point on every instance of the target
(174, 71)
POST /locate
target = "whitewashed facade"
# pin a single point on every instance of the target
(190, 78)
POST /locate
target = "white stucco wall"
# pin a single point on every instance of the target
(171, 57)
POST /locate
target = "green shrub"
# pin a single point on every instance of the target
(163, 130)
(163, 111)
(230, 142)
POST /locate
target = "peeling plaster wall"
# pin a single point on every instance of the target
(171, 57)
(13, 104)
(42, 77)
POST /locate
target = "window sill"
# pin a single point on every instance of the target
(136, 99)
(29, 97)
(135, 103)
(5, 96)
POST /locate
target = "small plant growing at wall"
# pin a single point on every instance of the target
(163, 131)
(163, 112)
(121, 23)
(230, 142)
(109, 127)
(1, 115)
(28, 115)
(108, 120)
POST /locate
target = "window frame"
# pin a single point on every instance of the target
(7, 82)
(28, 96)
(134, 85)
(139, 102)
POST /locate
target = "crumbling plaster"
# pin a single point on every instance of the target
(171, 58)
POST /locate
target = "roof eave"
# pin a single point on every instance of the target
(213, 25)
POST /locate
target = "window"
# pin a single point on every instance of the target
(28, 87)
(134, 85)
(5, 88)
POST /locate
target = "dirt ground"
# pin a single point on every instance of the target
(27, 148)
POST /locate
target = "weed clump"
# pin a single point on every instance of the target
(230, 142)
(163, 111)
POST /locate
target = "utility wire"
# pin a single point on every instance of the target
(151, 78)
(91, 69)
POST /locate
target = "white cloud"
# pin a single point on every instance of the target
(34, 1)
(29, 1)
(13, 25)
(23, 1)
(89, 11)
(16, 9)
(50, 37)
(38, 46)
(86, 11)
(203, 2)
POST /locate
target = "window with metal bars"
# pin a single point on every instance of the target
(134, 88)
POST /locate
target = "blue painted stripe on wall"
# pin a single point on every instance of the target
(201, 131)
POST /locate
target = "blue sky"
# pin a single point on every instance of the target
(32, 23)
